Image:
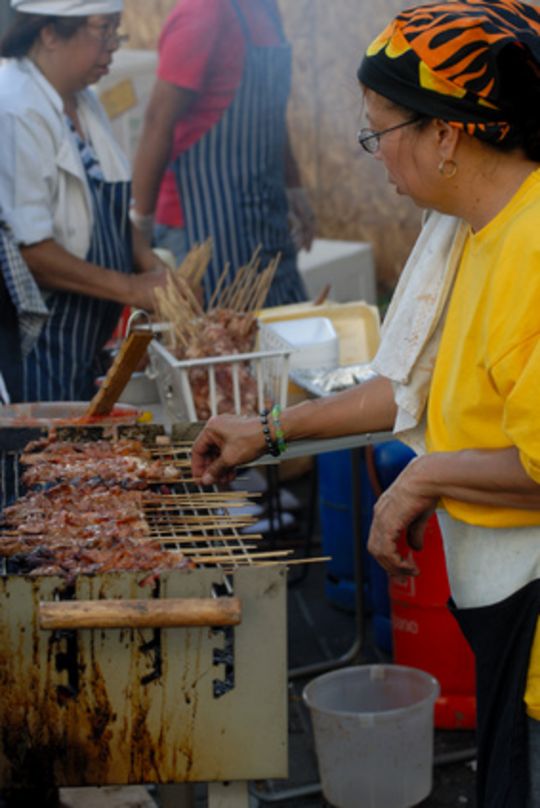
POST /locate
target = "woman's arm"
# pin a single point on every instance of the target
(55, 268)
(479, 476)
(144, 257)
(230, 441)
(167, 105)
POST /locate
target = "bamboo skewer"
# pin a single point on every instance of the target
(210, 551)
(173, 508)
(156, 520)
(296, 561)
(172, 538)
(200, 539)
(249, 558)
(179, 530)
(192, 331)
(207, 496)
(195, 264)
(219, 286)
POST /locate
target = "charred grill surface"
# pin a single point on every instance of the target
(110, 505)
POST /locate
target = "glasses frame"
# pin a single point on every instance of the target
(366, 135)
(104, 34)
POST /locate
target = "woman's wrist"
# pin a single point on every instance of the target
(143, 222)
(272, 429)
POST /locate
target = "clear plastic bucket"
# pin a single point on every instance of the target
(373, 728)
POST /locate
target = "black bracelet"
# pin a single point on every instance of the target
(271, 444)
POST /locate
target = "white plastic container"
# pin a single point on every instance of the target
(373, 727)
(313, 340)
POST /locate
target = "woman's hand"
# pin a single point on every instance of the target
(226, 442)
(143, 286)
(406, 505)
(488, 477)
(302, 221)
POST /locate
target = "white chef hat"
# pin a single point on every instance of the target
(68, 8)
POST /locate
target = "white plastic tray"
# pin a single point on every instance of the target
(357, 325)
(313, 339)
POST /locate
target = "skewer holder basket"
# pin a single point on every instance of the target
(268, 371)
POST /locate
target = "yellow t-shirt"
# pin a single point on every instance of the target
(485, 392)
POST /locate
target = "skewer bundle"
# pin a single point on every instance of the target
(227, 327)
(178, 303)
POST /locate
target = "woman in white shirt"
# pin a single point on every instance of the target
(66, 186)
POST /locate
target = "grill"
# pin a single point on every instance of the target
(122, 677)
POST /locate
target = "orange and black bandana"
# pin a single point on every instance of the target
(444, 60)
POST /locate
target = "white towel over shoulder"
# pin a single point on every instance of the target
(413, 324)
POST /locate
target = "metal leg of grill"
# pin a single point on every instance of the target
(310, 790)
(176, 796)
(228, 795)
(355, 651)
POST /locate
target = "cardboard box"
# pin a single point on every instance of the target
(348, 267)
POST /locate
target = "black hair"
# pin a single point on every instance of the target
(26, 28)
(520, 100)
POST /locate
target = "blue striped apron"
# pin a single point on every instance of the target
(232, 181)
(62, 365)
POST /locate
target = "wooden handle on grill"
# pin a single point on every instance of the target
(166, 613)
(119, 374)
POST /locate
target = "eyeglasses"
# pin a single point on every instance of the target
(370, 140)
(106, 34)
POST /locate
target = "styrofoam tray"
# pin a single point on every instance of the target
(357, 325)
(314, 339)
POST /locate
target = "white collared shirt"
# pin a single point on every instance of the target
(42, 180)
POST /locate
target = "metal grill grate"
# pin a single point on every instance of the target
(208, 527)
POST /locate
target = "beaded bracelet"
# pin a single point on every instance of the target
(278, 429)
(272, 446)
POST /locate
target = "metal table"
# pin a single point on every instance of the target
(355, 443)
(220, 794)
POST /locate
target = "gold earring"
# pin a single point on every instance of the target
(447, 169)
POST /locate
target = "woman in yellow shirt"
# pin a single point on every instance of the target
(452, 99)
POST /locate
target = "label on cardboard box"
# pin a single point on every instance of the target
(119, 99)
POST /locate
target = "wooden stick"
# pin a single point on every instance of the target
(125, 362)
(189, 504)
(177, 530)
(205, 495)
(268, 277)
(205, 256)
(292, 562)
(217, 291)
(248, 291)
(201, 539)
(248, 558)
(243, 284)
(212, 551)
(158, 613)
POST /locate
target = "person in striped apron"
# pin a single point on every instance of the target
(22, 314)
(218, 107)
(66, 186)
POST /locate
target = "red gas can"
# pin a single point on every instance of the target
(426, 636)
